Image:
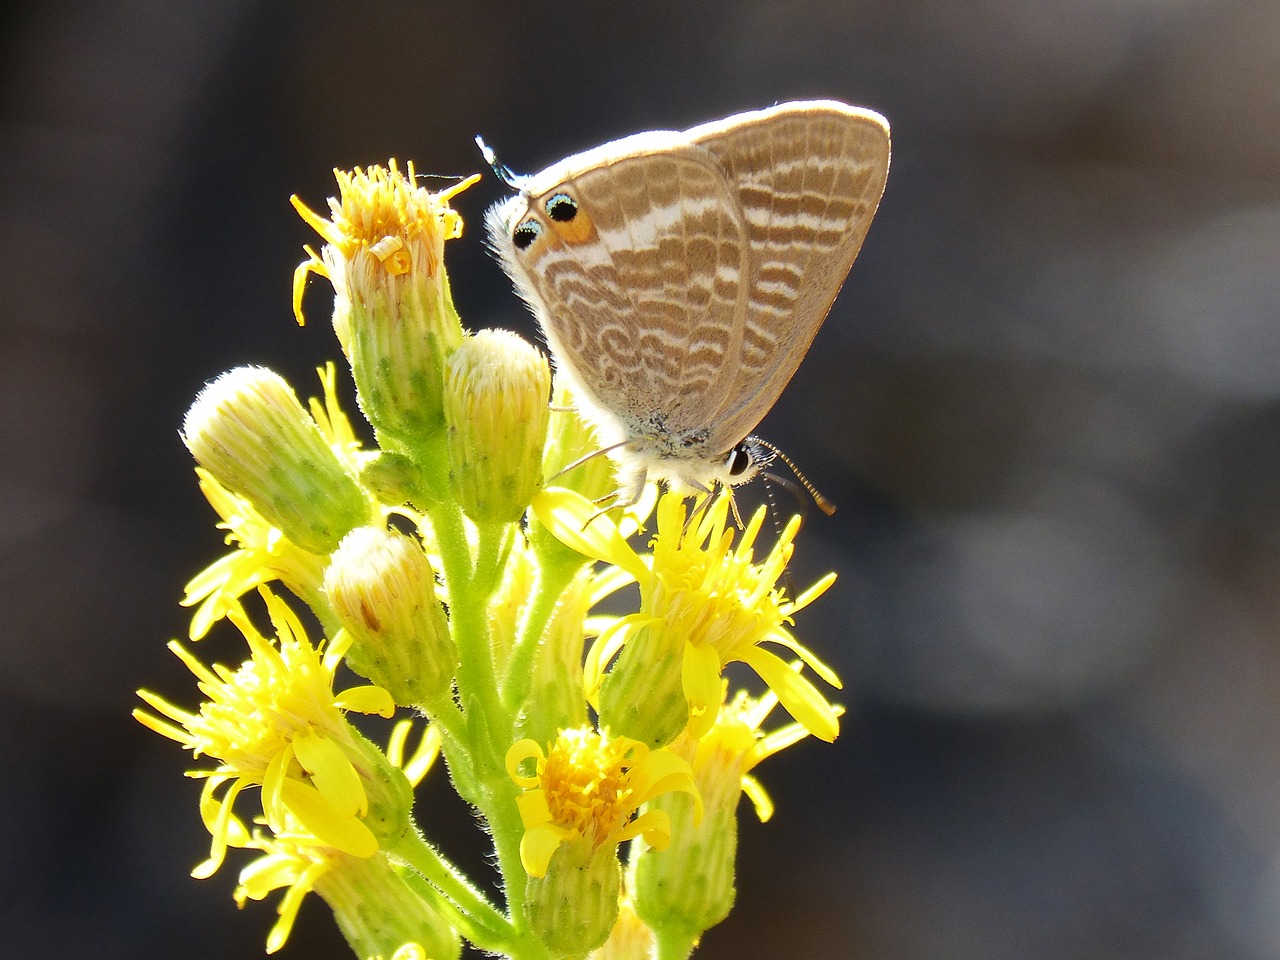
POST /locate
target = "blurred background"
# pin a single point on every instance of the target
(1047, 402)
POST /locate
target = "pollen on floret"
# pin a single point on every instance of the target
(588, 787)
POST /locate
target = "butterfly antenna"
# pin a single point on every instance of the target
(821, 502)
(769, 479)
(504, 173)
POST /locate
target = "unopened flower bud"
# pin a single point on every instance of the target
(690, 885)
(393, 478)
(557, 686)
(573, 907)
(571, 440)
(642, 696)
(497, 389)
(249, 431)
(379, 912)
(382, 588)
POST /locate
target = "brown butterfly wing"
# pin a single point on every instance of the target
(808, 178)
(644, 299)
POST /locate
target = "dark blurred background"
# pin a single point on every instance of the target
(1047, 403)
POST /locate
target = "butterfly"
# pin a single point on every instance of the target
(680, 277)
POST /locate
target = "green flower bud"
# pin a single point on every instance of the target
(393, 478)
(387, 790)
(249, 431)
(382, 588)
(642, 696)
(573, 907)
(379, 911)
(690, 885)
(557, 686)
(497, 389)
(570, 440)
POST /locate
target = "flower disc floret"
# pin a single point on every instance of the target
(383, 212)
(587, 787)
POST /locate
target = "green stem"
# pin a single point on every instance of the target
(466, 753)
(443, 712)
(552, 581)
(456, 917)
(507, 829)
(489, 726)
(479, 921)
(675, 943)
(491, 558)
(466, 610)
(480, 747)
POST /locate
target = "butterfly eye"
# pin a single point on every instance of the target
(527, 232)
(562, 207)
(740, 460)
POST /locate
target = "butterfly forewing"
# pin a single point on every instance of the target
(808, 178)
(645, 306)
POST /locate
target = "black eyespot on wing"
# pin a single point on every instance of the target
(561, 207)
(525, 234)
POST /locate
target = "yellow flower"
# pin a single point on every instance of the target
(392, 309)
(737, 744)
(335, 425)
(276, 723)
(384, 213)
(691, 885)
(586, 787)
(292, 865)
(294, 862)
(373, 902)
(263, 554)
(704, 603)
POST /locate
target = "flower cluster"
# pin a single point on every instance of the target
(605, 753)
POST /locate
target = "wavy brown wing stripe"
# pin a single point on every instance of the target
(808, 182)
(650, 308)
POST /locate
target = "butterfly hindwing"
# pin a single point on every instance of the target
(808, 178)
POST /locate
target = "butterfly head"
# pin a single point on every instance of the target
(691, 470)
(745, 460)
(527, 227)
